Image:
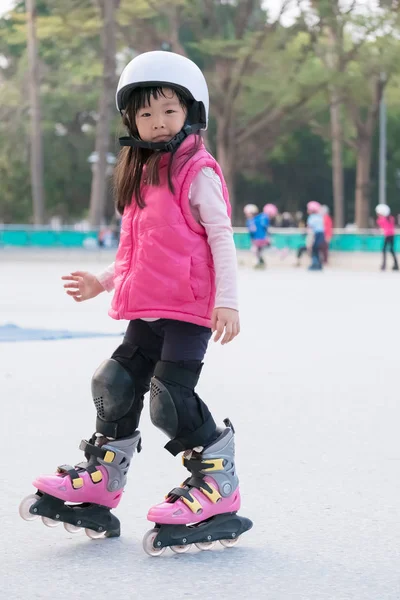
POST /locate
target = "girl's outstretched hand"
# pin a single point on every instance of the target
(82, 285)
(225, 320)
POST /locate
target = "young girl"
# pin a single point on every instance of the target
(175, 281)
(386, 222)
(257, 225)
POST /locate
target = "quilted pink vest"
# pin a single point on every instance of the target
(164, 266)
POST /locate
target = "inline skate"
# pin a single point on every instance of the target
(82, 497)
(204, 509)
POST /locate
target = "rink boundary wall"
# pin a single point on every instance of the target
(343, 240)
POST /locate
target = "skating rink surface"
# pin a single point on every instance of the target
(312, 388)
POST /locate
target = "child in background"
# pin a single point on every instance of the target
(271, 211)
(285, 220)
(306, 247)
(328, 233)
(386, 222)
(315, 226)
(257, 223)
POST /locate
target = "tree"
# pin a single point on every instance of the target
(377, 62)
(238, 49)
(347, 42)
(362, 143)
(283, 94)
(99, 180)
(337, 46)
(36, 149)
(69, 56)
(244, 62)
(330, 27)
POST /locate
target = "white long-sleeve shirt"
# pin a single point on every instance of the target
(209, 209)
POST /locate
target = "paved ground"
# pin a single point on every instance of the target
(311, 386)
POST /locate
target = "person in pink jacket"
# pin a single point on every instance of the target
(386, 223)
(328, 233)
(174, 280)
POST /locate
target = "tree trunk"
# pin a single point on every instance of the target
(363, 184)
(333, 60)
(36, 147)
(99, 179)
(365, 133)
(337, 160)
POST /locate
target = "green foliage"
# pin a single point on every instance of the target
(70, 72)
(272, 81)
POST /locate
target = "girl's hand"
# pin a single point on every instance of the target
(82, 285)
(225, 319)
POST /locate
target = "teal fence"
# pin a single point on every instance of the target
(28, 236)
(44, 238)
(343, 241)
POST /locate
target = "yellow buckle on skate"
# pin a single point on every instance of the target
(77, 483)
(109, 456)
(194, 505)
(96, 476)
(216, 464)
(214, 495)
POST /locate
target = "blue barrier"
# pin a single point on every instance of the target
(13, 333)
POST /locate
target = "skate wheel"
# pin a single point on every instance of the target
(71, 528)
(148, 540)
(229, 543)
(205, 545)
(95, 535)
(25, 506)
(50, 522)
(180, 549)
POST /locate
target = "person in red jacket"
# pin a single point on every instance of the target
(328, 232)
(386, 222)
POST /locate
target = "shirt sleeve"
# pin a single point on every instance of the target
(209, 209)
(106, 277)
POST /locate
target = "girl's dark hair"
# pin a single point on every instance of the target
(129, 169)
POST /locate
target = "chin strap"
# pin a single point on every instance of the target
(194, 114)
(164, 146)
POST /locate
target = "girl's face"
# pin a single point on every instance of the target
(162, 119)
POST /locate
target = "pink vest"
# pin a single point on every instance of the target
(164, 266)
(387, 224)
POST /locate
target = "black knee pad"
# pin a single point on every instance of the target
(177, 410)
(118, 388)
(113, 390)
(163, 413)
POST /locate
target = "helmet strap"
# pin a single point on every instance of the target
(187, 129)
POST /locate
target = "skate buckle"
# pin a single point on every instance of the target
(109, 456)
(96, 476)
(193, 504)
(215, 464)
(212, 495)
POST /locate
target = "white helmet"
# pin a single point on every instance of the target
(250, 209)
(382, 210)
(164, 69)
